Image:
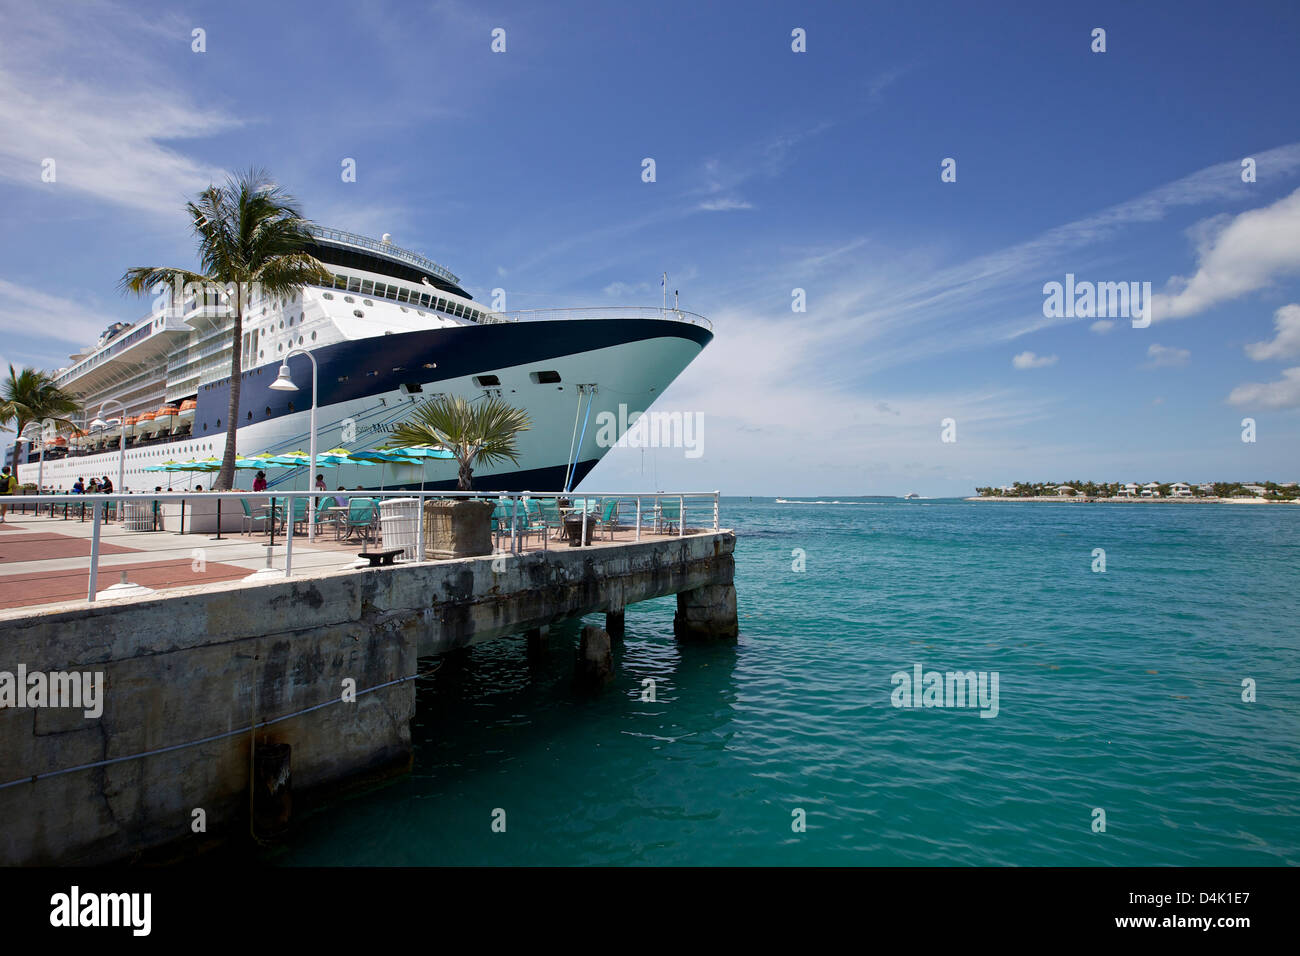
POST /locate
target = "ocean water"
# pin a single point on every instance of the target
(1120, 691)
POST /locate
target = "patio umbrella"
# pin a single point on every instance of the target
(381, 457)
(423, 452)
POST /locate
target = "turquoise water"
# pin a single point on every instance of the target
(1119, 690)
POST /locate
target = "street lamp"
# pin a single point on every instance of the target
(121, 456)
(284, 383)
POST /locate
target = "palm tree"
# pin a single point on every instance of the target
(31, 396)
(252, 237)
(483, 433)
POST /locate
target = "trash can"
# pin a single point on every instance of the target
(399, 521)
(137, 515)
(573, 528)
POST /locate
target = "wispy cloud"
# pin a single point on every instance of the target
(1286, 344)
(1028, 360)
(1166, 356)
(724, 205)
(1245, 254)
(1284, 393)
(107, 128)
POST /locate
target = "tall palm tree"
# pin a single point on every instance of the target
(483, 433)
(251, 237)
(31, 396)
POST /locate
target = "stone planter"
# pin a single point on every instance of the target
(457, 528)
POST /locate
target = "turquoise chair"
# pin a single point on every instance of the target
(361, 518)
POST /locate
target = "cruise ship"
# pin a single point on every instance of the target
(393, 329)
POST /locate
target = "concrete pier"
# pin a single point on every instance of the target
(323, 663)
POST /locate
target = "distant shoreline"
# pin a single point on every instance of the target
(1083, 499)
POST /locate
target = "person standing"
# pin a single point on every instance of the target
(320, 483)
(8, 486)
(259, 483)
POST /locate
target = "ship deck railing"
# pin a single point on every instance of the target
(140, 530)
(599, 312)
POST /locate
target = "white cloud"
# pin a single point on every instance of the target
(105, 128)
(1246, 254)
(1286, 344)
(32, 312)
(1026, 360)
(1281, 394)
(1101, 326)
(724, 205)
(1166, 356)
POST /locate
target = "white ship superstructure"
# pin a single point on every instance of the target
(394, 328)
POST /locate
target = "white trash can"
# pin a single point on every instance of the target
(137, 515)
(399, 521)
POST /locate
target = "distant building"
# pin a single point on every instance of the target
(1129, 490)
(1180, 490)
(1257, 490)
(1207, 487)
(1151, 489)
(1065, 490)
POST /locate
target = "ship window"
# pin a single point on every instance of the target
(403, 295)
(282, 323)
(548, 377)
(354, 285)
(412, 387)
(290, 409)
(343, 378)
(327, 295)
(250, 416)
(430, 364)
(261, 354)
(313, 336)
(302, 316)
(218, 422)
(348, 299)
(367, 287)
(268, 409)
(291, 321)
(442, 305)
(404, 308)
(300, 340)
(483, 381)
(367, 303)
(358, 313)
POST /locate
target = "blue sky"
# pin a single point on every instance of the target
(775, 170)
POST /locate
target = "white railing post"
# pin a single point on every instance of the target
(514, 525)
(582, 541)
(94, 551)
(419, 525)
(638, 517)
(681, 516)
(288, 541)
(715, 511)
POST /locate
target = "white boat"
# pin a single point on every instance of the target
(392, 328)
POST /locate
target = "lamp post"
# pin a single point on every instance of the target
(284, 383)
(121, 441)
(40, 472)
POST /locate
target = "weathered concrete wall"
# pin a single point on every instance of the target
(197, 662)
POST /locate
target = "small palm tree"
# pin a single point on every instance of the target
(482, 433)
(31, 396)
(251, 236)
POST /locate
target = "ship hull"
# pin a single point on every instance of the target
(367, 386)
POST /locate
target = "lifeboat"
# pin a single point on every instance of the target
(187, 410)
(144, 426)
(165, 419)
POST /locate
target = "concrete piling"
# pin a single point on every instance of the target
(707, 613)
(594, 667)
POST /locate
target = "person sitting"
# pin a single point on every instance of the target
(106, 486)
(79, 487)
(94, 486)
(259, 483)
(320, 483)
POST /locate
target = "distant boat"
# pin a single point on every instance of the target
(910, 495)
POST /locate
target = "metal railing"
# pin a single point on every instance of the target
(574, 516)
(386, 248)
(598, 312)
